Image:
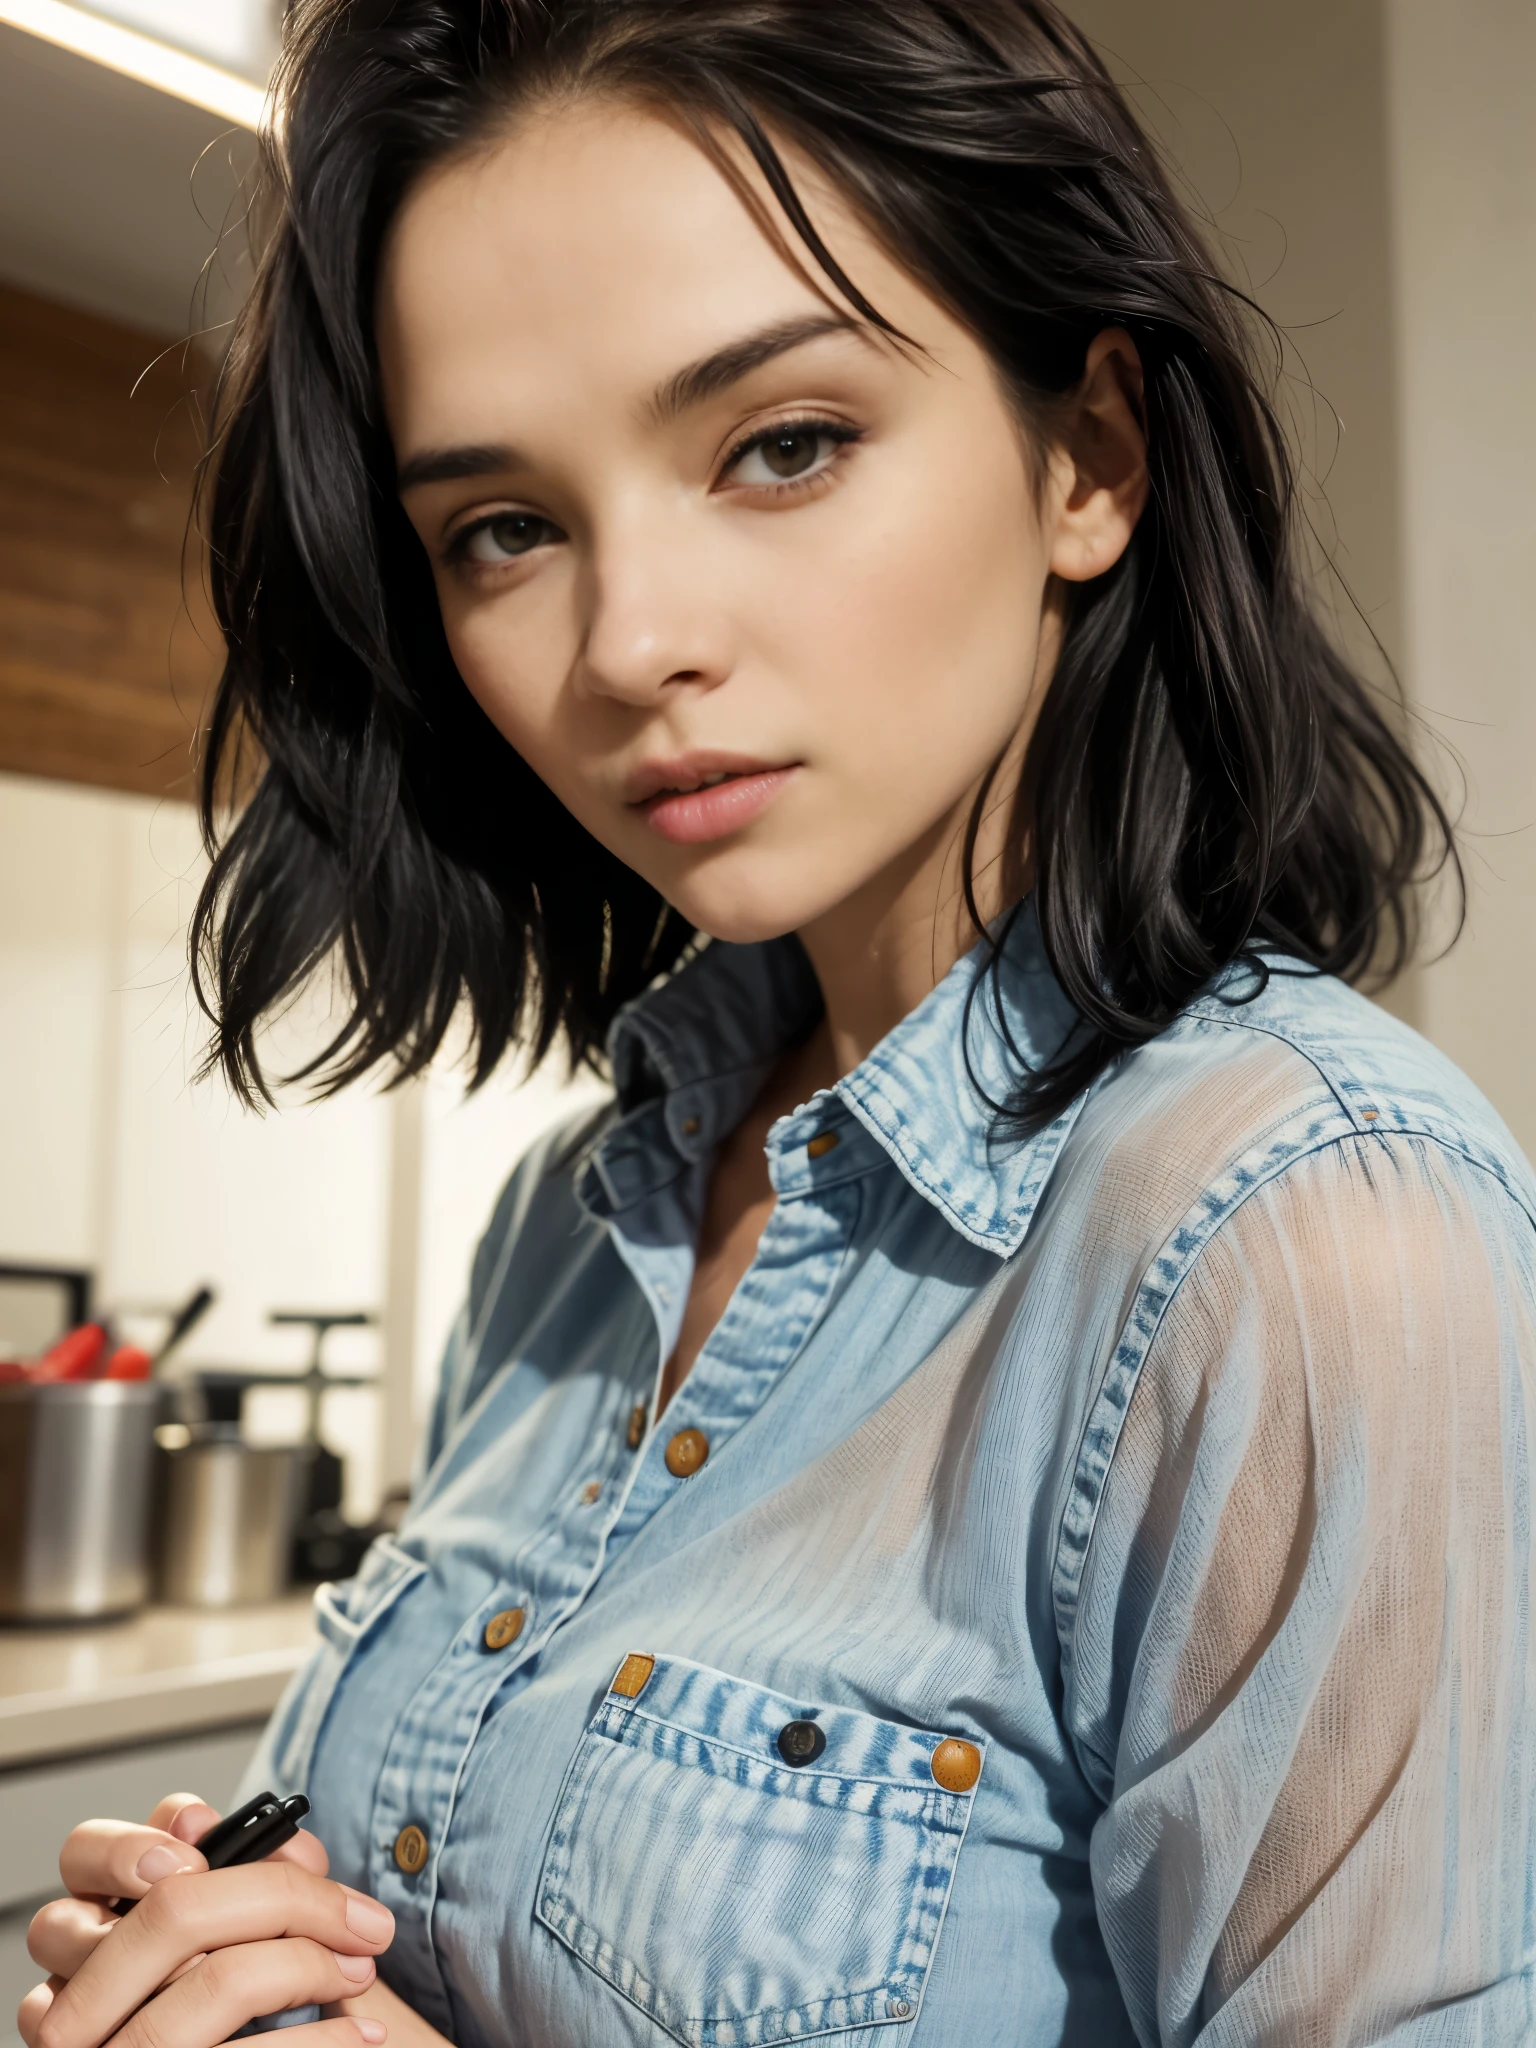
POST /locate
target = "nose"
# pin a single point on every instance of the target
(651, 625)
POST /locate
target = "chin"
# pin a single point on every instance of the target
(744, 908)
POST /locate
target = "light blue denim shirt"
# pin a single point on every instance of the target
(1080, 1594)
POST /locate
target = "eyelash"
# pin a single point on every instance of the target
(837, 431)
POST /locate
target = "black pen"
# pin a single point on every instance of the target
(246, 1835)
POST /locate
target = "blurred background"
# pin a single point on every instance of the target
(1368, 172)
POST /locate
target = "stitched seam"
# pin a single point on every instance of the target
(1108, 1410)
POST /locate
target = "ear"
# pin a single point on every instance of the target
(1099, 462)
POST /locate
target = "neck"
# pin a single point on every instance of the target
(883, 949)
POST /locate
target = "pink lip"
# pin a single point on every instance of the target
(694, 816)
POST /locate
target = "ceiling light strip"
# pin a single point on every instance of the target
(145, 58)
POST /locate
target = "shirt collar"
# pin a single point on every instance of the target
(928, 1092)
(690, 1057)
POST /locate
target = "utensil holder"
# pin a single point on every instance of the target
(227, 1511)
(75, 1465)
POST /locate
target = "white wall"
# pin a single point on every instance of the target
(1371, 169)
(1275, 119)
(1462, 92)
(114, 1158)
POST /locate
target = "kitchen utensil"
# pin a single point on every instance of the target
(75, 1461)
(326, 1545)
(81, 1355)
(39, 1303)
(226, 1519)
(191, 1312)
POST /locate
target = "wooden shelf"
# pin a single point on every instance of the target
(107, 646)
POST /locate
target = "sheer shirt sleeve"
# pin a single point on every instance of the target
(1300, 1667)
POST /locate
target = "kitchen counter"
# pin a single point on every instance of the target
(162, 1673)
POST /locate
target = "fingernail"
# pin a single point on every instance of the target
(372, 2030)
(161, 1861)
(358, 1968)
(368, 1918)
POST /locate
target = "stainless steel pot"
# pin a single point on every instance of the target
(227, 1512)
(75, 1461)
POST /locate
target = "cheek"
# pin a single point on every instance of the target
(924, 628)
(514, 656)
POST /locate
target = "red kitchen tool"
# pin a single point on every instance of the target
(75, 1357)
(129, 1362)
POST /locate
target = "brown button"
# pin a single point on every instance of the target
(592, 1491)
(687, 1452)
(634, 1676)
(500, 1630)
(634, 1436)
(691, 1127)
(819, 1147)
(956, 1765)
(411, 1850)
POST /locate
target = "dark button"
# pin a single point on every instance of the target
(634, 1436)
(691, 1126)
(411, 1850)
(500, 1630)
(819, 1147)
(801, 1742)
(686, 1453)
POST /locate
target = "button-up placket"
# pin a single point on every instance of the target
(419, 1782)
(646, 1180)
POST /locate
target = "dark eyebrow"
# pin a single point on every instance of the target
(710, 374)
(442, 465)
(725, 366)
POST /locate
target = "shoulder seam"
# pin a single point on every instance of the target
(1382, 1111)
(1296, 1043)
(1165, 1273)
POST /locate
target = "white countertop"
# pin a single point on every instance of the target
(165, 1671)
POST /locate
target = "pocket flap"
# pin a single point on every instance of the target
(750, 1868)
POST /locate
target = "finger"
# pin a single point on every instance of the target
(189, 1818)
(117, 1859)
(338, 2031)
(214, 1910)
(29, 2014)
(233, 1985)
(184, 1815)
(307, 1850)
(63, 1933)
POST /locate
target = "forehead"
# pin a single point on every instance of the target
(594, 248)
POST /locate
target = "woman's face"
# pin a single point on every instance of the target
(756, 593)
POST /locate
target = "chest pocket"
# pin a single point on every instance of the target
(750, 1869)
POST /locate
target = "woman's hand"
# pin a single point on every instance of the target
(206, 1951)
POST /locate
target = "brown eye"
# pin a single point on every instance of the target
(506, 535)
(791, 452)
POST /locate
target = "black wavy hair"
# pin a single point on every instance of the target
(1209, 775)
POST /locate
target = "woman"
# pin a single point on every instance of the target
(986, 1495)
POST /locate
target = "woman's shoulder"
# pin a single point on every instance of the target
(1279, 1148)
(1262, 1073)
